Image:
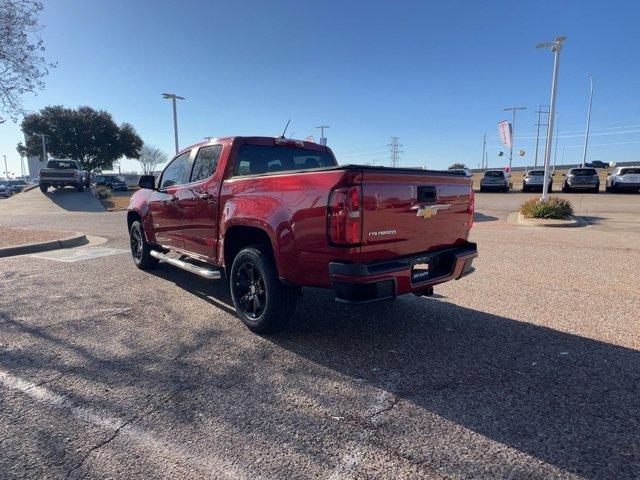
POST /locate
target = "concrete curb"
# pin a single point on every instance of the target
(518, 219)
(75, 240)
(29, 188)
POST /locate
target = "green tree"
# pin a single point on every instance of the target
(89, 136)
(457, 166)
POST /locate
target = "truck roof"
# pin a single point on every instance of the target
(254, 140)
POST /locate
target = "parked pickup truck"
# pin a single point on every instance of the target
(275, 215)
(62, 173)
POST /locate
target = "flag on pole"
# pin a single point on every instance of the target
(505, 129)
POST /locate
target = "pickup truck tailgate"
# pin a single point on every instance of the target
(408, 211)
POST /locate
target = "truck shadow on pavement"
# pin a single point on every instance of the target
(565, 400)
(569, 401)
(72, 201)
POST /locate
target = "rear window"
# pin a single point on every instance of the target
(536, 173)
(494, 173)
(256, 159)
(630, 171)
(61, 164)
(584, 172)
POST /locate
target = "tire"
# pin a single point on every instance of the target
(80, 188)
(262, 301)
(596, 189)
(613, 188)
(566, 189)
(140, 248)
(44, 188)
(481, 190)
(524, 189)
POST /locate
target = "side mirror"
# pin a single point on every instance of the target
(147, 181)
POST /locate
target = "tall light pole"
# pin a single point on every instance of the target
(43, 137)
(586, 135)
(484, 149)
(173, 98)
(555, 47)
(6, 170)
(513, 130)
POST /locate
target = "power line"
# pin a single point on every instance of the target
(394, 148)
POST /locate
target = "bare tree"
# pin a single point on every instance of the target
(150, 158)
(22, 66)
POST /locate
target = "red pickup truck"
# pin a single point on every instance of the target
(274, 215)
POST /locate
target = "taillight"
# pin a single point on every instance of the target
(345, 216)
(472, 206)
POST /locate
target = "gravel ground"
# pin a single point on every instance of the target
(10, 237)
(529, 368)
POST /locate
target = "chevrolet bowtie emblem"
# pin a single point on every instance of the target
(431, 210)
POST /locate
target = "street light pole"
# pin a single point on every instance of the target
(513, 130)
(484, 149)
(555, 47)
(322, 127)
(586, 135)
(6, 170)
(173, 98)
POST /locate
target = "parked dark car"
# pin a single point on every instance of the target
(6, 190)
(597, 164)
(18, 185)
(581, 179)
(111, 181)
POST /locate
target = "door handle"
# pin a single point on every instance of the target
(204, 196)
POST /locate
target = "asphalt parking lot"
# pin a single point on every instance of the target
(529, 368)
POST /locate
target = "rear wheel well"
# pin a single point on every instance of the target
(132, 216)
(237, 238)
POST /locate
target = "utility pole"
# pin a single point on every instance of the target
(586, 135)
(22, 165)
(484, 149)
(173, 98)
(538, 125)
(555, 47)
(394, 147)
(6, 170)
(513, 129)
(323, 140)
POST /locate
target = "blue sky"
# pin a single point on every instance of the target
(435, 74)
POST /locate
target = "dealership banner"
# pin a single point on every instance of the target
(504, 127)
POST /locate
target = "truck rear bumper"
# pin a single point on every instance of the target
(368, 282)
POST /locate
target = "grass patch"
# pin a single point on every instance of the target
(554, 208)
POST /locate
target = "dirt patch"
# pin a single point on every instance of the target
(11, 237)
(117, 201)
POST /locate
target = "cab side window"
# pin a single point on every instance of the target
(176, 172)
(206, 161)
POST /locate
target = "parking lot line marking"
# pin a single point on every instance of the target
(79, 254)
(213, 466)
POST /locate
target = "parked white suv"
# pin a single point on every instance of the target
(624, 178)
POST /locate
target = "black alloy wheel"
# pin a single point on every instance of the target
(249, 288)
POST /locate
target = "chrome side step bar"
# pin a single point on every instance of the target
(208, 273)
